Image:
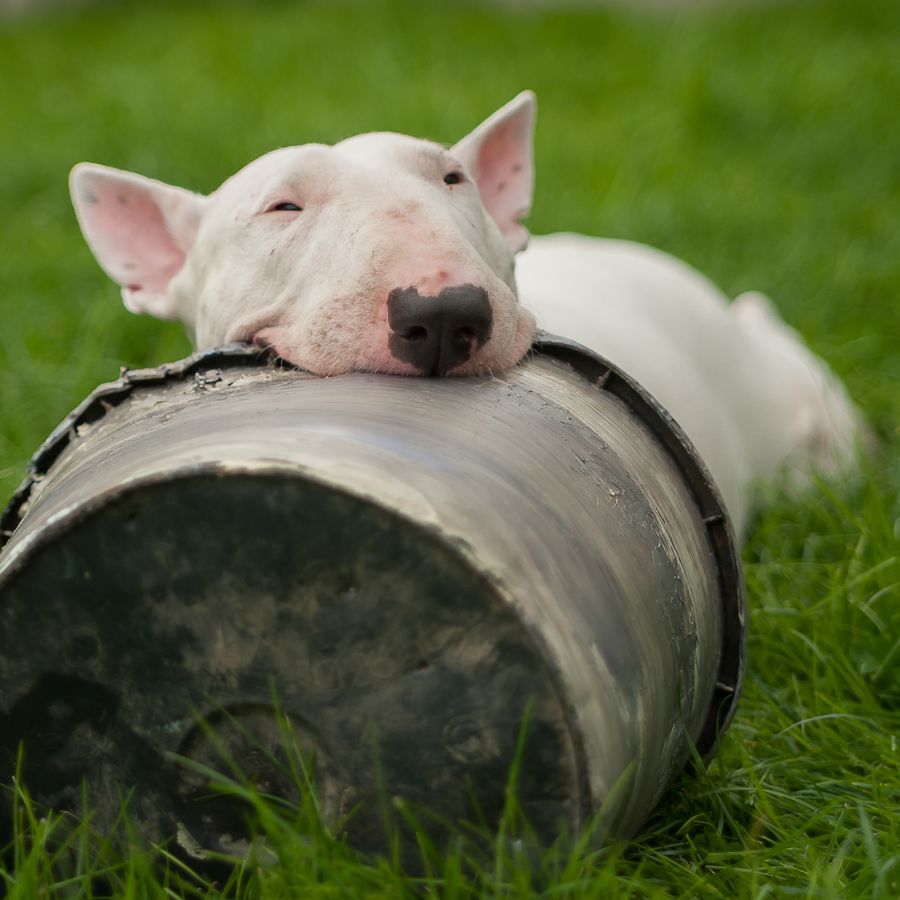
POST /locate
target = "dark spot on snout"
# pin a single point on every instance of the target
(435, 334)
(122, 199)
(89, 198)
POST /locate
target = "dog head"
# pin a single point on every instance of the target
(381, 253)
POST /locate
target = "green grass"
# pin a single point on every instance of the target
(761, 144)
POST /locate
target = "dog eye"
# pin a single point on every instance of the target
(285, 207)
(453, 178)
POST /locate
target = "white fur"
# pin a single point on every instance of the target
(377, 215)
(751, 396)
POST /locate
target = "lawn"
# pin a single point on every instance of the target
(761, 143)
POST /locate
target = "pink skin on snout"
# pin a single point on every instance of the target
(301, 250)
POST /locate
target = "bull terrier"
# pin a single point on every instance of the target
(386, 253)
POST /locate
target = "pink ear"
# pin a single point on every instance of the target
(498, 156)
(140, 230)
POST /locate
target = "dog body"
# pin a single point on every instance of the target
(390, 254)
(754, 400)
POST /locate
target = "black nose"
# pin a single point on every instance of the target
(437, 333)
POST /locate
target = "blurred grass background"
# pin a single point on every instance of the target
(759, 142)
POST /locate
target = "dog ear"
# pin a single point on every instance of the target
(498, 155)
(139, 229)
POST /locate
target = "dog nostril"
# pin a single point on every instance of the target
(436, 334)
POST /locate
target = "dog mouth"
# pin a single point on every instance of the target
(265, 344)
(478, 354)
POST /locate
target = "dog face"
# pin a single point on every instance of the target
(381, 253)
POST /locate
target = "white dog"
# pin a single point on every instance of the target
(387, 253)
